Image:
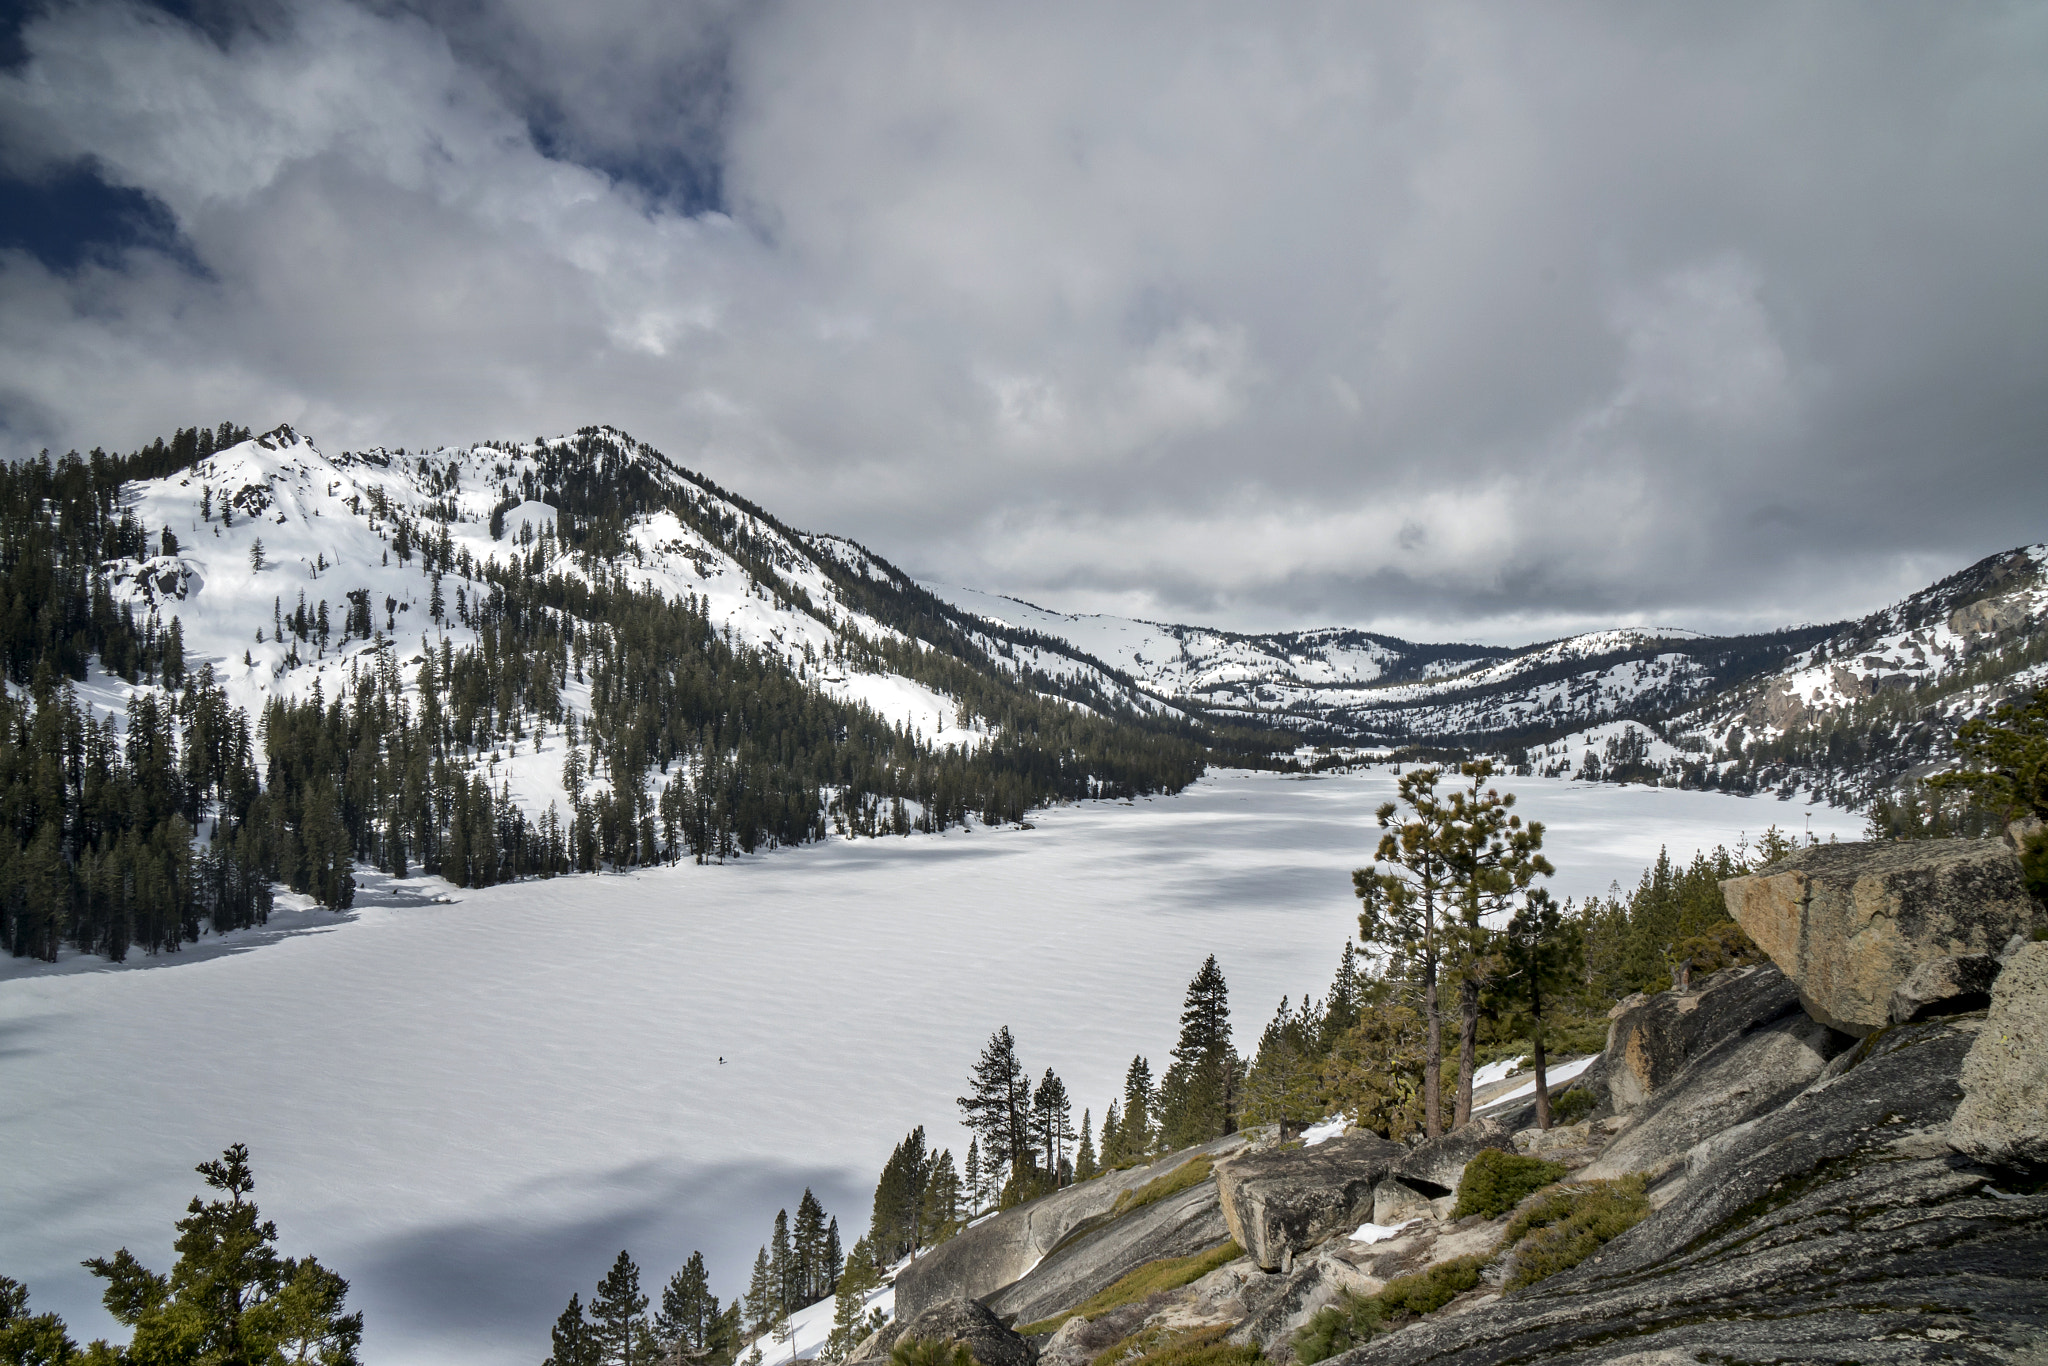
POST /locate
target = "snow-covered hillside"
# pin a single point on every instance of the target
(274, 532)
(1665, 705)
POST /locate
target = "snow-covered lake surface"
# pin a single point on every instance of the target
(469, 1108)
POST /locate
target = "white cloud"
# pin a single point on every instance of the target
(1460, 314)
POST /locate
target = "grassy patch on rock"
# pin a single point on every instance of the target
(1561, 1228)
(1168, 1273)
(1202, 1347)
(1495, 1182)
(1357, 1318)
(1190, 1173)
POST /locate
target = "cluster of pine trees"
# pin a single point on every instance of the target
(800, 1265)
(694, 746)
(1544, 979)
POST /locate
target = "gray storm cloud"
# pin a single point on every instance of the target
(1452, 320)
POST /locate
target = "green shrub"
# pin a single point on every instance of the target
(1168, 1273)
(1356, 1318)
(1190, 1173)
(1203, 1347)
(1573, 1106)
(930, 1352)
(1495, 1182)
(1565, 1226)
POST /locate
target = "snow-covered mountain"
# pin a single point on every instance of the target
(1838, 709)
(273, 531)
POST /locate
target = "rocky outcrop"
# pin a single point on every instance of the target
(1731, 1083)
(2004, 1115)
(954, 1320)
(1095, 1258)
(1652, 1038)
(1838, 1227)
(997, 1251)
(1284, 1200)
(1945, 986)
(1848, 922)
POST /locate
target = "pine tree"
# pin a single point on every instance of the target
(851, 1320)
(1198, 1100)
(230, 1297)
(835, 1258)
(617, 1314)
(688, 1307)
(811, 1279)
(1084, 1151)
(1545, 956)
(1134, 1134)
(1404, 906)
(973, 1177)
(999, 1108)
(896, 1229)
(1112, 1137)
(573, 1341)
(31, 1339)
(760, 1296)
(1052, 1119)
(782, 1265)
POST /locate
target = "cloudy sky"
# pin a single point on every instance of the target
(1459, 321)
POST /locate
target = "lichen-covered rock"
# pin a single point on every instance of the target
(2004, 1114)
(1948, 985)
(1652, 1038)
(1848, 922)
(954, 1320)
(1733, 1082)
(1282, 1201)
(1838, 1227)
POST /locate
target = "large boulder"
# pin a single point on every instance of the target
(1652, 1038)
(2004, 1114)
(1094, 1258)
(1281, 1201)
(1837, 1227)
(982, 1260)
(953, 1320)
(1731, 1083)
(1849, 922)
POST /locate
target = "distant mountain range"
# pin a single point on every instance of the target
(1836, 710)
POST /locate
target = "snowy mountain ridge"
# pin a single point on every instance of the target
(348, 542)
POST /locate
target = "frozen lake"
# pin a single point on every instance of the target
(467, 1109)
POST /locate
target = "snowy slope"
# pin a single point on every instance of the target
(342, 537)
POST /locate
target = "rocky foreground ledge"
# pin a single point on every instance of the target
(1843, 1156)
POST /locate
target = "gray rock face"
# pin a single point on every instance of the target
(1848, 922)
(1836, 1228)
(2004, 1114)
(1729, 1084)
(1096, 1258)
(1433, 1167)
(1278, 1203)
(997, 1251)
(1652, 1038)
(1945, 986)
(1079, 1341)
(954, 1320)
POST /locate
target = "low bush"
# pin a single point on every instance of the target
(1573, 1106)
(1495, 1182)
(1203, 1347)
(1565, 1226)
(930, 1352)
(1168, 1273)
(1356, 1318)
(1190, 1173)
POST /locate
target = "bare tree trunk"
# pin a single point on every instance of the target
(1468, 1040)
(1432, 1057)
